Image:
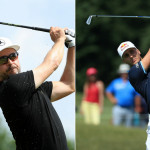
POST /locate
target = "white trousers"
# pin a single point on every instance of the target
(148, 135)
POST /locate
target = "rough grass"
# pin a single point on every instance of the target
(106, 136)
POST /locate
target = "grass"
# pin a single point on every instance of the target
(106, 136)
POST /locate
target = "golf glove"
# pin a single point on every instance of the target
(70, 38)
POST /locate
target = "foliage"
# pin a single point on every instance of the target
(97, 43)
(6, 141)
(71, 145)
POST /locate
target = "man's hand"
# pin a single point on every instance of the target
(57, 34)
(70, 38)
(111, 98)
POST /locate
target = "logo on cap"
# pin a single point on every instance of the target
(123, 46)
(2, 42)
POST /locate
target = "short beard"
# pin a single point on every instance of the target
(11, 68)
(6, 75)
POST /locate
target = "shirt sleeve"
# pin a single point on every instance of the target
(47, 87)
(110, 88)
(138, 78)
(136, 93)
(20, 88)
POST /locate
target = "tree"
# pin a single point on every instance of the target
(97, 44)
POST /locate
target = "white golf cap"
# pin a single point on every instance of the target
(124, 68)
(124, 46)
(6, 43)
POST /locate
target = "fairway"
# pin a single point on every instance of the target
(106, 136)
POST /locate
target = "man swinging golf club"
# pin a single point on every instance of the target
(26, 99)
(139, 74)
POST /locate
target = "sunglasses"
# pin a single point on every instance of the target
(4, 59)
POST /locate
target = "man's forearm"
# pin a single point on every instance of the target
(146, 61)
(50, 63)
(68, 76)
(55, 55)
(111, 97)
(137, 103)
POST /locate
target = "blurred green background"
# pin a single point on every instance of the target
(106, 136)
(97, 47)
(6, 141)
(97, 43)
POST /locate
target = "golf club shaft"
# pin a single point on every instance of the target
(119, 16)
(28, 27)
(34, 28)
(113, 16)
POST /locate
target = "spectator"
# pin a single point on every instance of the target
(122, 95)
(92, 102)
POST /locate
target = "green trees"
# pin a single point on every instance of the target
(97, 43)
(6, 141)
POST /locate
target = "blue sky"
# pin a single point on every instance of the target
(35, 44)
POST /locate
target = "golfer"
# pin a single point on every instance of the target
(25, 98)
(139, 74)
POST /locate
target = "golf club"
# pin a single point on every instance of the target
(112, 16)
(29, 27)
